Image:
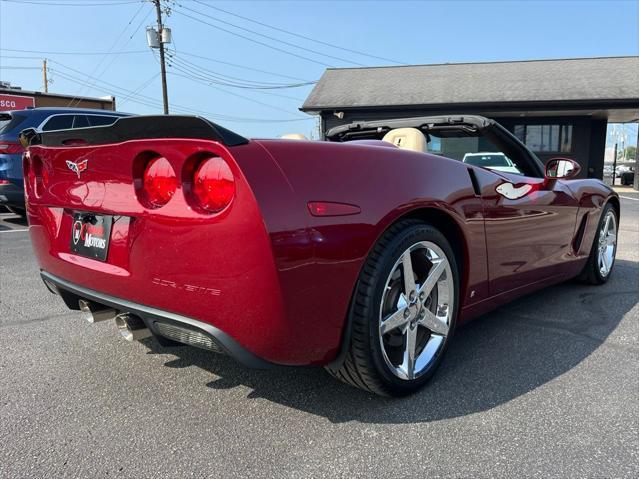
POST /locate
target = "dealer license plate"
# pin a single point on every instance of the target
(90, 235)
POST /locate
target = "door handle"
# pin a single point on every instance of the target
(511, 192)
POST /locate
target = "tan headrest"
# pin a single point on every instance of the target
(294, 136)
(407, 139)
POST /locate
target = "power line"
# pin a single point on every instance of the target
(173, 58)
(214, 60)
(251, 39)
(139, 89)
(299, 35)
(198, 78)
(193, 76)
(73, 53)
(10, 67)
(153, 103)
(188, 75)
(269, 37)
(235, 82)
(137, 28)
(137, 99)
(190, 111)
(97, 67)
(103, 82)
(68, 4)
(20, 57)
(182, 53)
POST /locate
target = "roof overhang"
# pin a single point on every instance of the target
(598, 87)
(615, 111)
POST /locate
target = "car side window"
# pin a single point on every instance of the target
(80, 121)
(59, 122)
(492, 160)
(100, 120)
(474, 150)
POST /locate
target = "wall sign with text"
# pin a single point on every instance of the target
(15, 102)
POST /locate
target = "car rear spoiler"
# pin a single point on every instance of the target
(135, 128)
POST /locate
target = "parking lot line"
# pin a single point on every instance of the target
(14, 231)
(628, 198)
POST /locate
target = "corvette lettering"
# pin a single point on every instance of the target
(186, 287)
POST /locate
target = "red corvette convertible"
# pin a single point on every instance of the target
(361, 253)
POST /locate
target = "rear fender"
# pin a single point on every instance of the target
(319, 259)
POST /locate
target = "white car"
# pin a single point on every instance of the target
(493, 161)
(621, 169)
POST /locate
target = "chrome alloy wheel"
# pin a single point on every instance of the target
(607, 243)
(416, 310)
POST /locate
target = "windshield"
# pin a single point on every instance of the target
(487, 160)
(9, 122)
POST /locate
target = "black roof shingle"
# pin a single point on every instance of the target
(583, 79)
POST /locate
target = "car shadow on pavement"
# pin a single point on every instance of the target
(18, 221)
(492, 360)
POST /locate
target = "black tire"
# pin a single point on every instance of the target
(364, 366)
(591, 274)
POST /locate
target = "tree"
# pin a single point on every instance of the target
(631, 152)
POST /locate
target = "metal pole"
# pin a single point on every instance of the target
(636, 182)
(165, 95)
(614, 163)
(45, 81)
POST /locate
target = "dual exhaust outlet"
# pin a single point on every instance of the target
(130, 326)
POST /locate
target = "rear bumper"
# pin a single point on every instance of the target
(12, 195)
(154, 319)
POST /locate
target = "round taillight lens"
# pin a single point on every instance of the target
(159, 182)
(213, 184)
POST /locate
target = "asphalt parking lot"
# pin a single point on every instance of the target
(547, 386)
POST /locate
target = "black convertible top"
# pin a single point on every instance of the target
(444, 126)
(378, 128)
(136, 128)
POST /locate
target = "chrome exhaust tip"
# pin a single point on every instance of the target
(94, 313)
(131, 327)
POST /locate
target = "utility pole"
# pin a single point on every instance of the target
(636, 182)
(45, 81)
(165, 95)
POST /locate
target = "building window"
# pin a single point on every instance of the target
(546, 138)
(434, 144)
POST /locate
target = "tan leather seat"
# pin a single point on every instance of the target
(293, 136)
(407, 139)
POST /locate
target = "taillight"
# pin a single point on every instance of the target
(45, 177)
(4, 182)
(158, 182)
(35, 175)
(10, 147)
(213, 185)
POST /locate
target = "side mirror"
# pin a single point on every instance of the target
(26, 136)
(561, 169)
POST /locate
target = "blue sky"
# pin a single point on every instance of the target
(409, 32)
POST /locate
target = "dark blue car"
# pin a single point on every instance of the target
(42, 119)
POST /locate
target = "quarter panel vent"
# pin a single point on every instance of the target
(474, 181)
